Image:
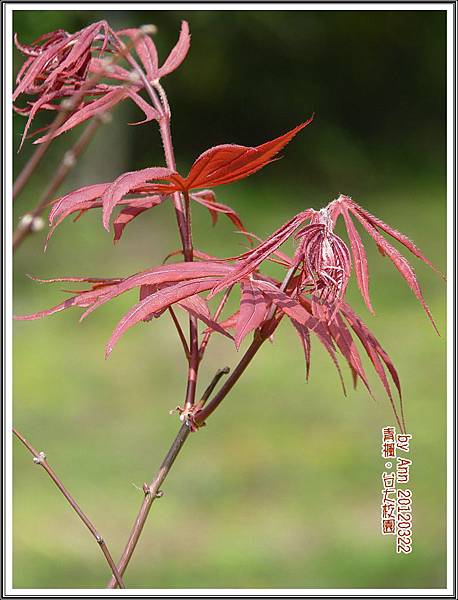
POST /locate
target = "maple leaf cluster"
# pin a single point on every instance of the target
(312, 294)
(62, 66)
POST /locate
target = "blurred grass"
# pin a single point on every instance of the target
(282, 488)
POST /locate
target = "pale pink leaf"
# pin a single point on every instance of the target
(146, 50)
(171, 273)
(397, 235)
(96, 107)
(162, 299)
(207, 199)
(304, 337)
(375, 353)
(359, 259)
(197, 307)
(72, 201)
(399, 262)
(250, 260)
(129, 213)
(178, 53)
(99, 67)
(124, 184)
(253, 308)
(151, 114)
(348, 349)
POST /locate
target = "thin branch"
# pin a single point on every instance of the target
(197, 419)
(218, 311)
(206, 411)
(180, 332)
(260, 336)
(39, 458)
(152, 490)
(68, 162)
(31, 165)
(211, 386)
(183, 215)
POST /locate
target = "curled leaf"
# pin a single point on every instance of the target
(146, 50)
(158, 301)
(123, 184)
(178, 53)
(253, 310)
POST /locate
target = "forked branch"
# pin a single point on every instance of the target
(152, 490)
(39, 458)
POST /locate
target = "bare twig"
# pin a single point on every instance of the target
(31, 165)
(39, 458)
(151, 493)
(152, 490)
(218, 311)
(206, 411)
(180, 332)
(212, 385)
(27, 224)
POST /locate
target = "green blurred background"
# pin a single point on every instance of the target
(282, 488)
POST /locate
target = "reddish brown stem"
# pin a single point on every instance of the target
(39, 458)
(260, 336)
(206, 411)
(163, 109)
(164, 127)
(183, 215)
(31, 164)
(152, 490)
(198, 419)
(193, 365)
(181, 335)
(151, 493)
(67, 164)
(218, 311)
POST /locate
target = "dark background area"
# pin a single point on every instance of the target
(282, 488)
(374, 79)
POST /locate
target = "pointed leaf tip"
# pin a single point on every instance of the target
(178, 52)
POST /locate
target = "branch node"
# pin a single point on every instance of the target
(25, 221)
(107, 64)
(40, 458)
(69, 159)
(105, 117)
(67, 105)
(147, 489)
(134, 76)
(149, 29)
(99, 539)
(37, 224)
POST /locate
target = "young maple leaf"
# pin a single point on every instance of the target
(324, 259)
(63, 66)
(217, 166)
(172, 283)
(227, 163)
(344, 205)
